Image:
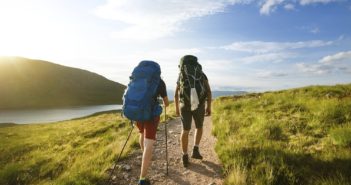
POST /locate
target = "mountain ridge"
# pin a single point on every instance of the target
(29, 83)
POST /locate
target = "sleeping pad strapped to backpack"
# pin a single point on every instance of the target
(138, 100)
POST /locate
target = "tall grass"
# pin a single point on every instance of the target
(70, 152)
(298, 136)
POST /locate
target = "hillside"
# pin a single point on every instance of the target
(27, 83)
(297, 136)
(79, 151)
(70, 152)
(290, 137)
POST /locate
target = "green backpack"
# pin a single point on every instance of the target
(191, 76)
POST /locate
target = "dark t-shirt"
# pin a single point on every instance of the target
(161, 90)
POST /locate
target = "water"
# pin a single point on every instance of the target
(52, 115)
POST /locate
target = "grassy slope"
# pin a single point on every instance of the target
(69, 152)
(298, 136)
(29, 83)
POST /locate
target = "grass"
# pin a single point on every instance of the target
(69, 152)
(297, 136)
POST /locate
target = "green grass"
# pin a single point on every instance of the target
(70, 152)
(297, 136)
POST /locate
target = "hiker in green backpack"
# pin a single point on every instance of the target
(192, 101)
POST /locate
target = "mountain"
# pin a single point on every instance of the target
(215, 94)
(27, 83)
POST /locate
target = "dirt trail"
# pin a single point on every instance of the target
(202, 172)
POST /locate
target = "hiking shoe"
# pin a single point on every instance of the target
(196, 153)
(144, 182)
(185, 160)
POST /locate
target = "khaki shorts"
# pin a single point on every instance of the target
(187, 116)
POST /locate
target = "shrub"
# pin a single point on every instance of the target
(238, 176)
(333, 113)
(10, 175)
(273, 131)
(341, 136)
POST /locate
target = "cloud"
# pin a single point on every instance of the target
(218, 66)
(270, 74)
(267, 57)
(269, 6)
(339, 62)
(337, 58)
(148, 20)
(315, 30)
(169, 54)
(155, 19)
(289, 7)
(307, 2)
(318, 69)
(266, 47)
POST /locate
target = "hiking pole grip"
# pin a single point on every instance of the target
(166, 132)
(120, 154)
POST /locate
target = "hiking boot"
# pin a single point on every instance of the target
(185, 160)
(144, 182)
(196, 153)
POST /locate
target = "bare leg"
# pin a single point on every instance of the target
(147, 155)
(141, 142)
(184, 138)
(198, 135)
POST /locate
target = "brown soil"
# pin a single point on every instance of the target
(202, 172)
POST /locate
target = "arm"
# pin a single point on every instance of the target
(163, 93)
(165, 101)
(176, 100)
(209, 99)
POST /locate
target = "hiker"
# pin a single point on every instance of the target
(145, 86)
(192, 93)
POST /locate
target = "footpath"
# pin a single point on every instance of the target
(199, 172)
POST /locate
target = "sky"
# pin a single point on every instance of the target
(250, 45)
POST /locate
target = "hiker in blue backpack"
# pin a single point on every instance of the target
(140, 104)
(193, 93)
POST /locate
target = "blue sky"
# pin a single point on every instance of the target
(253, 45)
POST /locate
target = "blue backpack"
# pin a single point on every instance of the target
(138, 100)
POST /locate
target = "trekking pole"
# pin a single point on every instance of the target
(166, 140)
(120, 154)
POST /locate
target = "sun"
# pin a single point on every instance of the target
(28, 30)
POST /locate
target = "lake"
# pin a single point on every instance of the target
(52, 115)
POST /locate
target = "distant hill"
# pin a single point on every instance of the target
(215, 94)
(26, 83)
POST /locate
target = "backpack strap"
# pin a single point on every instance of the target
(193, 76)
(187, 75)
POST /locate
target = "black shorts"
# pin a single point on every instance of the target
(187, 116)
